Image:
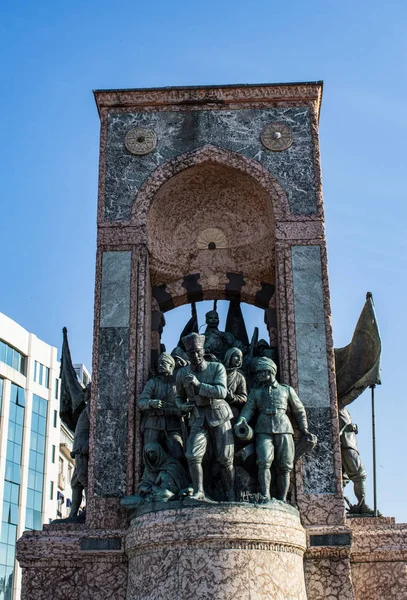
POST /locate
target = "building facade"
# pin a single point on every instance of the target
(35, 461)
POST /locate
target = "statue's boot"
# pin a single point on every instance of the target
(359, 488)
(229, 481)
(76, 502)
(283, 485)
(196, 472)
(264, 483)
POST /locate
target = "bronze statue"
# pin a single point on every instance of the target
(161, 417)
(274, 434)
(74, 411)
(357, 368)
(180, 359)
(80, 452)
(237, 393)
(163, 478)
(218, 342)
(201, 393)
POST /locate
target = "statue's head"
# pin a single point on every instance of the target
(233, 358)
(154, 454)
(262, 347)
(180, 357)
(264, 370)
(166, 364)
(194, 346)
(212, 319)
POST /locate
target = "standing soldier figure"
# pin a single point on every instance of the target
(201, 393)
(273, 429)
(161, 416)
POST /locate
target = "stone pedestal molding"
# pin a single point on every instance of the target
(223, 552)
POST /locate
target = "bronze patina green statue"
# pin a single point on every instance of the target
(201, 393)
(161, 416)
(74, 412)
(163, 477)
(218, 342)
(274, 434)
(237, 393)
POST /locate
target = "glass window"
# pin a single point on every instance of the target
(56, 389)
(55, 418)
(53, 454)
(51, 490)
(36, 463)
(9, 355)
(46, 382)
(2, 351)
(1, 391)
(40, 373)
(11, 490)
(35, 370)
(12, 357)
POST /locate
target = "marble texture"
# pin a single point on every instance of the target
(55, 568)
(310, 326)
(184, 131)
(312, 367)
(115, 299)
(110, 452)
(379, 558)
(223, 552)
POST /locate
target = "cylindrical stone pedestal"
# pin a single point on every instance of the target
(216, 552)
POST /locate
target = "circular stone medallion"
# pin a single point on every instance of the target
(140, 140)
(276, 137)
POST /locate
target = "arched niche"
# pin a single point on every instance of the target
(211, 220)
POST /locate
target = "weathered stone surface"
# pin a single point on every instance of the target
(310, 326)
(55, 566)
(222, 552)
(115, 299)
(184, 131)
(379, 558)
(318, 467)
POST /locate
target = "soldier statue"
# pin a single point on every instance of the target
(237, 393)
(201, 393)
(274, 434)
(218, 342)
(161, 417)
(75, 413)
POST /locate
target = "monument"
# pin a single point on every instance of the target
(215, 469)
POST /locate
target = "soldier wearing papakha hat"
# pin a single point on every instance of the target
(273, 430)
(201, 392)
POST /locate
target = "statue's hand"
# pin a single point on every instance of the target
(155, 403)
(240, 421)
(187, 407)
(191, 379)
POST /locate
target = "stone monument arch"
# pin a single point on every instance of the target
(205, 193)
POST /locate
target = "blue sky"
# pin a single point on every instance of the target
(54, 54)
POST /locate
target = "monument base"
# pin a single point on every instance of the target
(222, 551)
(379, 558)
(72, 561)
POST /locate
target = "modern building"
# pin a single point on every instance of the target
(35, 461)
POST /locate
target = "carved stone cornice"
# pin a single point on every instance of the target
(199, 97)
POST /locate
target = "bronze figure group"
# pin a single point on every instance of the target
(197, 416)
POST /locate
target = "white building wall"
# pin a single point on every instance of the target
(35, 350)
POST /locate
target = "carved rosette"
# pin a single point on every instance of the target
(140, 140)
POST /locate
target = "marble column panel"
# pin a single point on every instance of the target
(312, 365)
(113, 367)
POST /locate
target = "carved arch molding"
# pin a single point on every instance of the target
(210, 218)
